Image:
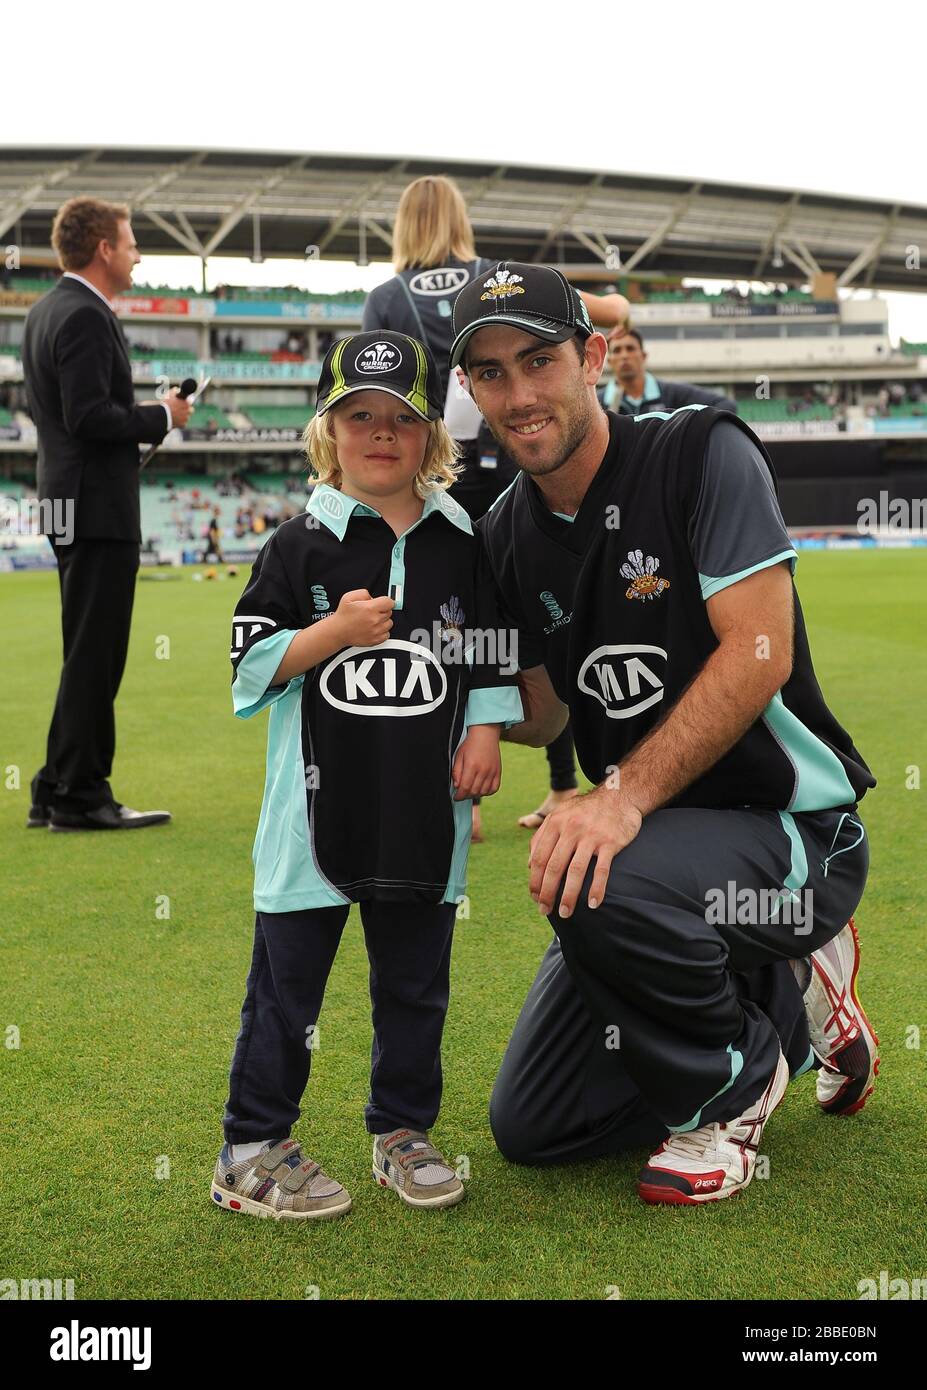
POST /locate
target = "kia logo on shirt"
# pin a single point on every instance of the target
(395, 678)
(443, 281)
(623, 679)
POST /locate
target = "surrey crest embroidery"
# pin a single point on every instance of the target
(503, 283)
(645, 582)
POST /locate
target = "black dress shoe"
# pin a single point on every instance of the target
(112, 816)
(38, 817)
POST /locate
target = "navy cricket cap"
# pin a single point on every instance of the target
(381, 361)
(536, 298)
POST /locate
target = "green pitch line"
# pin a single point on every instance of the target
(127, 1020)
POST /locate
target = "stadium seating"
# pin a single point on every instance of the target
(701, 296)
(283, 294)
(168, 514)
(206, 415)
(30, 284)
(162, 354)
(279, 417)
(233, 357)
(754, 411)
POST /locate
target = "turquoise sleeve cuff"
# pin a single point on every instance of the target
(251, 688)
(495, 705)
(711, 584)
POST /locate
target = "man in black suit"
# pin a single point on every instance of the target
(79, 386)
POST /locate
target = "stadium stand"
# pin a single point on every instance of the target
(279, 417)
(754, 411)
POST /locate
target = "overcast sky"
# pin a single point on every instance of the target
(811, 95)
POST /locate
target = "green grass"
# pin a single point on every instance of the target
(127, 1021)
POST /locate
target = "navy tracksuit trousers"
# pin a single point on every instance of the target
(409, 947)
(665, 1007)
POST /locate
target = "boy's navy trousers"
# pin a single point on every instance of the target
(409, 947)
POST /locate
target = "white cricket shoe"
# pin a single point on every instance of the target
(704, 1165)
(841, 1034)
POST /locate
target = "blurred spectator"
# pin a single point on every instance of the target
(634, 391)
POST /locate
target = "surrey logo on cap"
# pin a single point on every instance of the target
(379, 357)
(502, 284)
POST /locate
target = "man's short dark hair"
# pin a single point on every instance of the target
(632, 333)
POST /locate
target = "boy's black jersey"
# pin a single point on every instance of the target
(358, 800)
(613, 604)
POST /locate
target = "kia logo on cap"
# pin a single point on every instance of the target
(379, 357)
(394, 678)
(623, 679)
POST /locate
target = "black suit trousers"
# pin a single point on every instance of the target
(97, 581)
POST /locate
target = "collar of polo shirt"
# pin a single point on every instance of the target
(335, 509)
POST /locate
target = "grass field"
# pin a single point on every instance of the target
(127, 1021)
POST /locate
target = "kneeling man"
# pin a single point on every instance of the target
(701, 894)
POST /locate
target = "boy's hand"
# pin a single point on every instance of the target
(364, 621)
(478, 765)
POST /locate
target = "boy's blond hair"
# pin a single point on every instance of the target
(438, 472)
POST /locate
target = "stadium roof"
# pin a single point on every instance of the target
(223, 203)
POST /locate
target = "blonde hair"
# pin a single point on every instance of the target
(431, 224)
(438, 472)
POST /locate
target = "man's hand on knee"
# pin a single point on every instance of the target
(597, 825)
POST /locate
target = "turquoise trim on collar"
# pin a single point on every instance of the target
(336, 508)
(438, 501)
(651, 391)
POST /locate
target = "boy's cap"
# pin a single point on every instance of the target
(381, 361)
(536, 298)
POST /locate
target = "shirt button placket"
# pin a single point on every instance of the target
(397, 573)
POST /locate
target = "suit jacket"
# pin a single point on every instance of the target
(79, 387)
